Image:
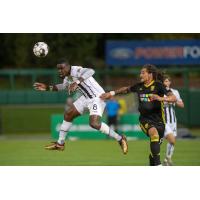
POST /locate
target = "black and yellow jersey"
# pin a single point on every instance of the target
(152, 110)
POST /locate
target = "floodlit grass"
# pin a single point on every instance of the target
(27, 152)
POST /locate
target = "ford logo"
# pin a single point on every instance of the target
(121, 53)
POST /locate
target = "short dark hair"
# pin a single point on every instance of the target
(166, 76)
(63, 61)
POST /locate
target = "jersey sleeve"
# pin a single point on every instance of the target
(63, 85)
(134, 88)
(76, 71)
(60, 87)
(177, 95)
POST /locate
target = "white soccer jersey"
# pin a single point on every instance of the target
(169, 108)
(89, 87)
(170, 117)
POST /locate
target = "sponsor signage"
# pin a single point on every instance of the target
(154, 52)
(129, 125)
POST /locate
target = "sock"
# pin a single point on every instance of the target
(151, 160)
(170, 150)
(64, 128)
(110, 132)
(155, 150)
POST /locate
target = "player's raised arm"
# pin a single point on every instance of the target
(108, 95)
(82, 74)
(45, 87)
(85, 73)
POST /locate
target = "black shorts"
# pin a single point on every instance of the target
(146, 124)
(112, 120)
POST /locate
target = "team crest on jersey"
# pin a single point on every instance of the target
(146, 125)
(152, 88)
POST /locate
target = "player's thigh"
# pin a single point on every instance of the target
(156, 133)
(152, 129)
(80, 104)
(170, 128)
(96, 107)
(153, 132)
(171, 138)
(174, 129)
(146, 125)
(71, 113)
(160, 127)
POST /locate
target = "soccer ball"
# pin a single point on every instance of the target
(40, 49)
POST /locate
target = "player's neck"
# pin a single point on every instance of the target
(148, 82)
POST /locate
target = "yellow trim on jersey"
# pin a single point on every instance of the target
(142, 127)
(149, 84)
(163, 112)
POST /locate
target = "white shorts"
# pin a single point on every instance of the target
(170, 128)
(95, 105)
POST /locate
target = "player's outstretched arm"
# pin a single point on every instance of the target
(108, 95)
(170, 98)
(44, 87)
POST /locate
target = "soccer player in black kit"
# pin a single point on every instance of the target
(150, 93)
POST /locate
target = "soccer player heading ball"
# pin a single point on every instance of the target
(79, 78)
(150, 93)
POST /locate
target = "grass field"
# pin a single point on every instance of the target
(30, 152)
(27, 149)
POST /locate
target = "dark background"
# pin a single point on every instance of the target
(79, 48)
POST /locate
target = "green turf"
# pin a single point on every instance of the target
(91, 153)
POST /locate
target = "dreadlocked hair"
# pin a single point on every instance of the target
(157, 74)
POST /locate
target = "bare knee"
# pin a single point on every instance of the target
(68, 117)
(171, 139)
(95, 124)
(70, 114)
(153, 134)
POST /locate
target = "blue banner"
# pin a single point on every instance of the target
(166, 52)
